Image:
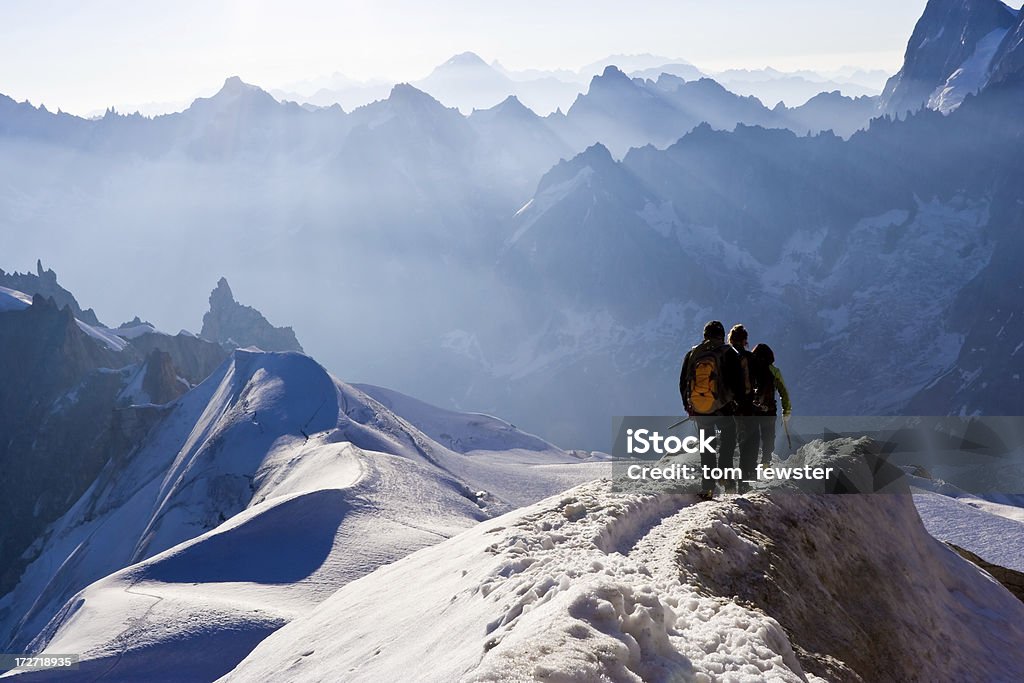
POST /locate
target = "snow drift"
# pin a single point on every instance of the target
(590, 585)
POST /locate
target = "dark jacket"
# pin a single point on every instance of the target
(748, 366)
(733, 379)
(769, 382)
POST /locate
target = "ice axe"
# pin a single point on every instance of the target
(785, 426)
(684, 420)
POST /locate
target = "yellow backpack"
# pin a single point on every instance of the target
(706, 391)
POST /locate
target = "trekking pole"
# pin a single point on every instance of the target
(785, 425)
(685, 419)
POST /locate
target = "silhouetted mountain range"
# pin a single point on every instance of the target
(513, 262)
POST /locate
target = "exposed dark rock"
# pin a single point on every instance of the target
(945, 36)
(1010, 578)
(236, 325)
(160, 381)
(813, 550)
(129, 426)
(1008, 62)
(56, 406)
(61, 418)
(194, 358)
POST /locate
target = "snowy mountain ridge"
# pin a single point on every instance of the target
(589, 585)
(272, 502)
(956, 47)
(268, 440)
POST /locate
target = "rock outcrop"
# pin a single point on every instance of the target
(67, 408)
(1011, 579)
(237, 326)
(160, 381)
(55, 412)
(44, 282)
(950, 50)
(194, 358)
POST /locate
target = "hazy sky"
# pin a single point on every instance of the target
(83, 55)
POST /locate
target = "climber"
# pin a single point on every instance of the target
(767, 382)
(709, 384)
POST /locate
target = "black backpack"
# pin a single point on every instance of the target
(763, 379)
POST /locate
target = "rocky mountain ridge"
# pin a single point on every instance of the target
(957, 48)
(237, 326)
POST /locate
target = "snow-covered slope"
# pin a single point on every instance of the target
(595, 586)
(13, 300)
(502, 462)
(975, 525)
(269, 486)
(460, 432)
(992, 527)
(970, 76)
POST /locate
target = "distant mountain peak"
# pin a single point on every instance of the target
(829, 96)
(631, 62)
(512, 105)
(222, 293)
(949, 55)
(711, 85)
(234, 85)
(466, 59)
(408, 97)
(44, 282)
(597, 152)
(613, 72)
(406, 92)
(612, 79)
(509, 110)
(467, 82)
(597, 158)
(234, 93)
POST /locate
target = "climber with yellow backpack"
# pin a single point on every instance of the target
(710, 383)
